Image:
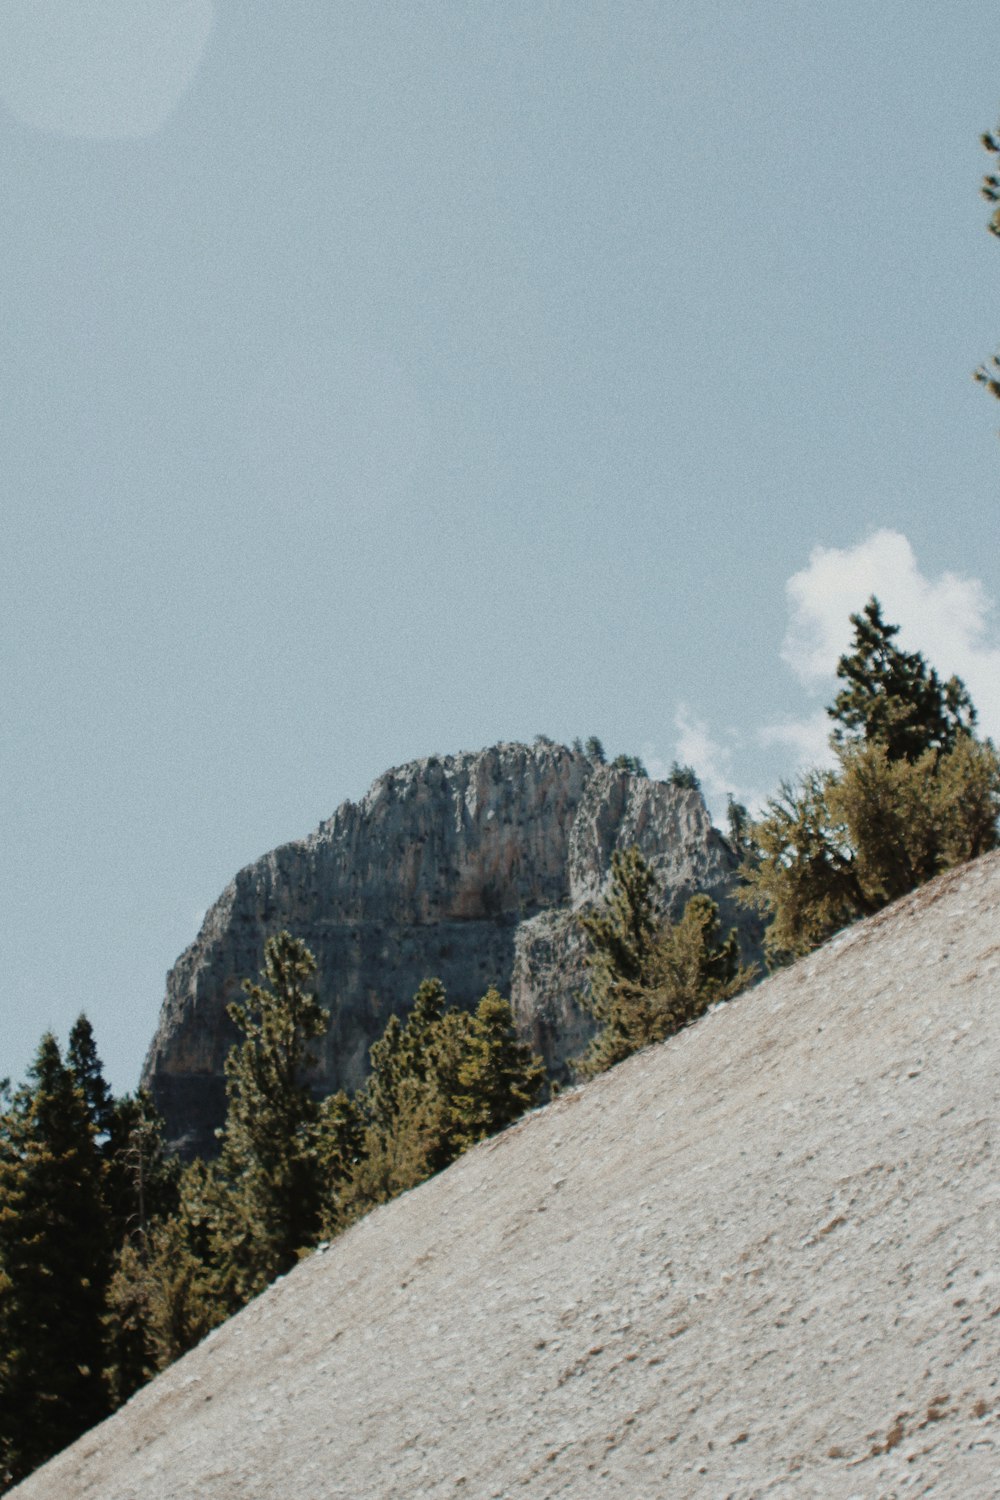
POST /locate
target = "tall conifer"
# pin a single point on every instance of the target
(55, 1260)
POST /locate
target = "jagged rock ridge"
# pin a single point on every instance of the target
(468, 867)
(756, 1261)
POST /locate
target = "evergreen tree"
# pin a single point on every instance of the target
(622, 930)
(499, 1077)
(440, 1082)
(55, 1262)
(739, 825)
(88, 1074)
(914, 793)
(594, 751)
(684, 777)
(340, 1150)
(269, 1143)
(409, 1127)
(630, 763)
(142, 1193)
(649, 977)
(893, 697)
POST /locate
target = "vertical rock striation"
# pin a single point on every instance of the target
(469, 867)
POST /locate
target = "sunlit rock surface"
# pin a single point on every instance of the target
(470, 868)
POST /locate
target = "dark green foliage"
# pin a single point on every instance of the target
(893, 697)
(630, 763)
(269, 1159)
(141, 1179)
(88, 1074)
(987, 374)
(739, 825)
(648, 976)
(55, 1263)
(622, 930)
(913, 794)
(438, 1084)
(499, 1077)
(684, 777)
(595, 751)
(114, 1261)
(142, 1193)
(168, 1289)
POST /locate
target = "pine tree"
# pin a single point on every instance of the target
(499, 1077)
(142, 1194)
(649, 976)
(683, 777)
(169, 1288)
(893, 697)
(622, 930)
(409, 1127)
(269, 1142)
(440, 1082)
(914, 793)
(88, 1074)
(55, 1263)
(988, 372)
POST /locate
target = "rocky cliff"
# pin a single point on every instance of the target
(470, 867)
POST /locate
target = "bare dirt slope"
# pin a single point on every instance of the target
(760, 1260)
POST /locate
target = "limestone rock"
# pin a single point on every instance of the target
(468, 867)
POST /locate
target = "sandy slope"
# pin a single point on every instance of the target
(761, 1260)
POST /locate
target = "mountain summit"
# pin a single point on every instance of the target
(470, 868)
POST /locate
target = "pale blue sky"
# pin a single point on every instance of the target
(381, 380)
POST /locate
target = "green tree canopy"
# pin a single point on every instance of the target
(893, 697)
(269, 1156)
(913, 793)
(649, 976)
(439, 1082)
(55, 1263)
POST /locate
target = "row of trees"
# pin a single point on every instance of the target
(114, 1259)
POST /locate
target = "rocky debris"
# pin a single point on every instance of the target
(756, 1261)
(467, 867)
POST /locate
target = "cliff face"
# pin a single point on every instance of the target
(470, 868)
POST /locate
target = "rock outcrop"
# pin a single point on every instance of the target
(756, 1261)
(469, 867)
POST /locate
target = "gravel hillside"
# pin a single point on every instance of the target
(760, 1260)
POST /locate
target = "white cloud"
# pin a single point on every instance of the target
(711, 760)
(947, 618)
(808, 738)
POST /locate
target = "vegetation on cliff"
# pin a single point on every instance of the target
(913, 792)
(650, 976)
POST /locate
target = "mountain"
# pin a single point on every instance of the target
(757, 1260)
(470, 868)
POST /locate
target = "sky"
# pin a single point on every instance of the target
(388, 380)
